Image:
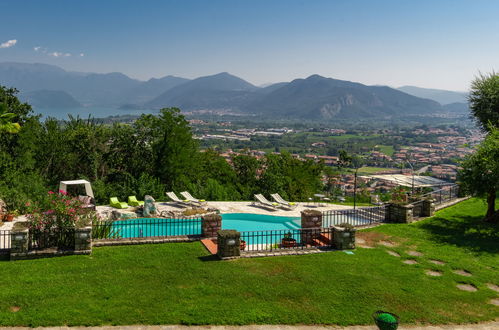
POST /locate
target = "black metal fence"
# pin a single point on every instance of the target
(441, 196)
(60, 238)
(4, 241)
(444, 195)
(273, 240)
(141, 228)
(359, 217)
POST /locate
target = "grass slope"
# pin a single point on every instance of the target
(179, 283)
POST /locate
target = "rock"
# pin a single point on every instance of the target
(149, 206)
(123, 215)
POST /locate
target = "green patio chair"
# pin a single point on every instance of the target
(114, 202)
(132, 200)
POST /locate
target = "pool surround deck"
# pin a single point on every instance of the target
(236, 207)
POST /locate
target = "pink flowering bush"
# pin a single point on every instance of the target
(62, 211)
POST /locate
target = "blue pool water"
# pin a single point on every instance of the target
(151, 227)
(252, 222)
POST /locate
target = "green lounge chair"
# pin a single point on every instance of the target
(114, 202)
(132, 201)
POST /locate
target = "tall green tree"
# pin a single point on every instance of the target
(484, 100)
(480, 173)
(175, 152)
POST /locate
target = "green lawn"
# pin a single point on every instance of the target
(387, 150)
(180, 283)
(372, 169)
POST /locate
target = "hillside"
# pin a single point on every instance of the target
(49, 99)
(439, 95)
(220, 91)
(322, 98)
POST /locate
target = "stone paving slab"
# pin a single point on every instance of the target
(480, 326)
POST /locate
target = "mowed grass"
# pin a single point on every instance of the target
(179, 283)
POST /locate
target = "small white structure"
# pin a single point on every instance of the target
(63, 185)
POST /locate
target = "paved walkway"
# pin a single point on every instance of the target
(481, 326)
(242, 207)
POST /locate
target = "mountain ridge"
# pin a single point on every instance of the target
(314, 97)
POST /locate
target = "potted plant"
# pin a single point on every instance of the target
(386, 320)
(242, 246)
(288, 240)
(9, 216)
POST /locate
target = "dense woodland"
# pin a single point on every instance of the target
(153, 155)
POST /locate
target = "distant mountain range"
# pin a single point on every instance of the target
(316, 97)
(441, 96)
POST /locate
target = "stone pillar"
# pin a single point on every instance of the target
(343, 237)
(399, 213)
(19, 243)
(83, 240)
(428, 208)
(311, 221)
(210, 225)
(228, 242)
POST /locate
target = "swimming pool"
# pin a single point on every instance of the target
(252, 222)
(153, 227)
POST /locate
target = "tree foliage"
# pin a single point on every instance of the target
(484, 100)
(480, 172)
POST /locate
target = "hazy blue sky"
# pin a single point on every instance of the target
(439, 44)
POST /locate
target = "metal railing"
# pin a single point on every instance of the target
(60, 238)
(440, 196)
(443, 195)
(4, 241)
(141, 228)
(293, 239)
(359, 217)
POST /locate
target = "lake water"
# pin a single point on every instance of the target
(84, 112)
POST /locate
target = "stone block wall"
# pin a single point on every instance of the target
(18, 243)
(228, 242)
(428, 208)
(83, 239)
(312, 220)
(210, 225)
(343, 238)
(399, 213)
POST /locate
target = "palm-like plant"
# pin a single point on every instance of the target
(6, 124)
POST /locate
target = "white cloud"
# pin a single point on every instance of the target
(81, 54)
(8, 43)
(59, 54)
(37, 48)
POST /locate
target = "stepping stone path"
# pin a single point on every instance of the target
(393, 253)
(436, 262)
(462, 272)
(415, 253)
(410, 262)
(430, 272)
(360, 242)
(386, 243)
(493, 287)
(494, 301)
(467, 287)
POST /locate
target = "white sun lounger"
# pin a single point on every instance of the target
(189, 197)
(177, 200)
(260, 200)
(283, 203)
